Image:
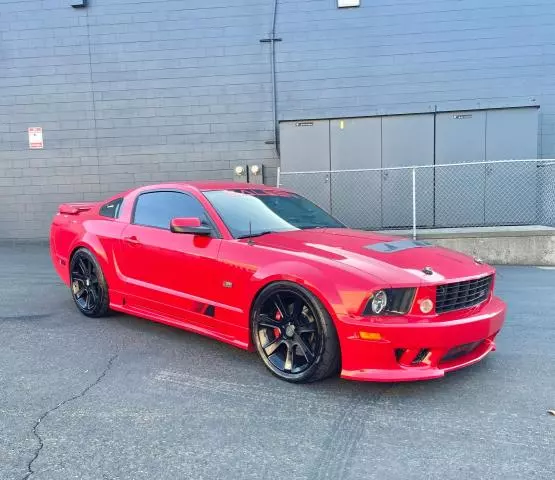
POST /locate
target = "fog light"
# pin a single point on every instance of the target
(370, 335)
(426, 306)
(379, 302)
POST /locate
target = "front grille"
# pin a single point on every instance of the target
(459, 295)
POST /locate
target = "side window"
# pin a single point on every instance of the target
(111, 210)
(156, 209)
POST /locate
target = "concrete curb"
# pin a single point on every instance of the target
(478, 232)
(517, 245)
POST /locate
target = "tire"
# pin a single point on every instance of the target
(297, 343)
(88, 284)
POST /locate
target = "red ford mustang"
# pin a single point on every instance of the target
(263, 268)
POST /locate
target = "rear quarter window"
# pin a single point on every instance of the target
(111, 209)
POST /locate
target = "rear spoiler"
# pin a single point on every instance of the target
(74, 208)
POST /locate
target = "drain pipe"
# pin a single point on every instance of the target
(272, 40)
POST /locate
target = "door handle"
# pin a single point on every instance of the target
(133, 240)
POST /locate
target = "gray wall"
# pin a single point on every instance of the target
(391, 56)
(130, 92)
(127, 93)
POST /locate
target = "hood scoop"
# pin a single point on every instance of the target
(397, 246)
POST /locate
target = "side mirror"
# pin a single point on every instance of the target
(191, 225)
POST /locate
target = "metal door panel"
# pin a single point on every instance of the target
(305, 146)
(459, 193)
(407, 140)
(511, 189)
(356, 144)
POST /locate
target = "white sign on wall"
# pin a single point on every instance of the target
(348, 3)
(35, 138)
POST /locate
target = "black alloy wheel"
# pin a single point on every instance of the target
(88, 286)
(294, 334)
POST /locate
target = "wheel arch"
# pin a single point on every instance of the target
(297, 282)
(310, 279)
(324, 303)
(95, 247)
(101, 298)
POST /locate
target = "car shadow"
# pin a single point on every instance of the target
(245, 368)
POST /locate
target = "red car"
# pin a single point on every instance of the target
(263, 268)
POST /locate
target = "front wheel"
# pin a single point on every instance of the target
(88, 285)
(294, 334)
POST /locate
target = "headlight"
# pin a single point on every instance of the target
(379, 302)
(390, 301)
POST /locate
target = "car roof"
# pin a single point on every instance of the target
(201, 186)
(210, 185)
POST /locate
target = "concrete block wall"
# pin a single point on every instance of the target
(127, 93)
(132, 92)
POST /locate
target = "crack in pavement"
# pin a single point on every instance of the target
(30, 470)
(41, 316)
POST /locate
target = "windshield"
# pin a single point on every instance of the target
(256, 212)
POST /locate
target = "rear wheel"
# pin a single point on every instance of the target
(294, 334)
(88, 285)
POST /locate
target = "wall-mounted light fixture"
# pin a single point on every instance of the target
(240, 173)
(256, 173)
(78, 3)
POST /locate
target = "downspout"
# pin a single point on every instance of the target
(272, 40)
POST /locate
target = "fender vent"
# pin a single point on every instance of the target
(409, 357)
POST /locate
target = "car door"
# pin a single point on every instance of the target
(173, 274)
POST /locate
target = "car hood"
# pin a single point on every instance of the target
(392, 259)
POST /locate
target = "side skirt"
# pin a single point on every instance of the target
(191, 327)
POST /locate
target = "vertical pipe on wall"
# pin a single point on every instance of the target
(272, 41)
(274, 84)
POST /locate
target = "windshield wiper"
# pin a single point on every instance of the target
(256, 234)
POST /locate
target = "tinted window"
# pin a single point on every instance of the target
(111, 210)
(255, 212)
(157, 209)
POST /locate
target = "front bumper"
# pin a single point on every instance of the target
(418, 350)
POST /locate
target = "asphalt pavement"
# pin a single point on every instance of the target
(125, 398)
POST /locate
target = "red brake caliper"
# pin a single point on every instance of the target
(277, 331)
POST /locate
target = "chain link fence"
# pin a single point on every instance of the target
(473, 194)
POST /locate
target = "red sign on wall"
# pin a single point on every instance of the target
(35, 138)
